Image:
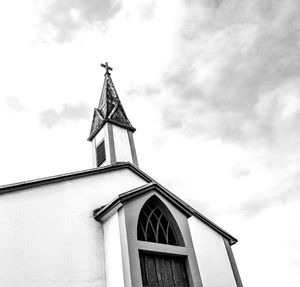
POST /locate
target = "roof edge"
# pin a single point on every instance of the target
(183, 206)
(72, 175)
(93, 134)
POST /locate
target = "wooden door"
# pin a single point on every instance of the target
(163, 271)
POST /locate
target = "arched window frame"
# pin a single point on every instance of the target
(157, 227)
(130, 214)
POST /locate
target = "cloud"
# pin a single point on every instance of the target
(236, 78)
(241, 172)
(147, 9)
(283, 190)
(51, 117)
(14, 104)
(67, 17)
(146, 90)
(257, 204)
(231, 58)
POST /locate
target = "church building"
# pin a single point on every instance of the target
(111, 225)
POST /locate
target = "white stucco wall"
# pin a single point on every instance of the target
(122, 146)
(213, 261)
(113, 252)
(48, 235)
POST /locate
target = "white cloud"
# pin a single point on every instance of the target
(65, 18)
(14, 104)
(51, 117)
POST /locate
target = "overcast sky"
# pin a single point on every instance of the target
(212, 87)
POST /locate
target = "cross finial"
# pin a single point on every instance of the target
(107, 68)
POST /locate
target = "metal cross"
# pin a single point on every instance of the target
(108, 68)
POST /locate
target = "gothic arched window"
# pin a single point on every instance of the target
(156, 224)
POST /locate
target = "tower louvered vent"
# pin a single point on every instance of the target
(100, 152)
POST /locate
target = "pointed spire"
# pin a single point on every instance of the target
(110, 108)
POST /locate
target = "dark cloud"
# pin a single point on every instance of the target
(14, 104)
(237, 77)
(261, 55)
(51, 117)
(69, 16)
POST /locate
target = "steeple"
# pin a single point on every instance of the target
(111, 131)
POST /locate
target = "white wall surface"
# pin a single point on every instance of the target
(213, 261)
(113, 252)
(48, 235)
(100, 135)
(122, 146)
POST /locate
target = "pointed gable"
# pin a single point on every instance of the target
(105, 211)
(96, 122)
(110, 109)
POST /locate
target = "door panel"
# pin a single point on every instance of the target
(163, 271)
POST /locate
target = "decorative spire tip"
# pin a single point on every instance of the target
(107, 68)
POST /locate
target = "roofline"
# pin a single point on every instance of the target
(72, 175)
(183, 206)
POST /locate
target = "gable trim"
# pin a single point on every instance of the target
(233, 265)
(101, 214)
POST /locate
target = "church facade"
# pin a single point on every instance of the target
(109, 226)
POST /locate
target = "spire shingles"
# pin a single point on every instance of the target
(109, 109)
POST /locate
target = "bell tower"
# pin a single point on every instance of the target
(111, 132)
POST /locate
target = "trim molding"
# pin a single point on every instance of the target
(132, 148)
(234, 268)
(111, 143)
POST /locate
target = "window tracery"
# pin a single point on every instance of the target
(154, 225)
